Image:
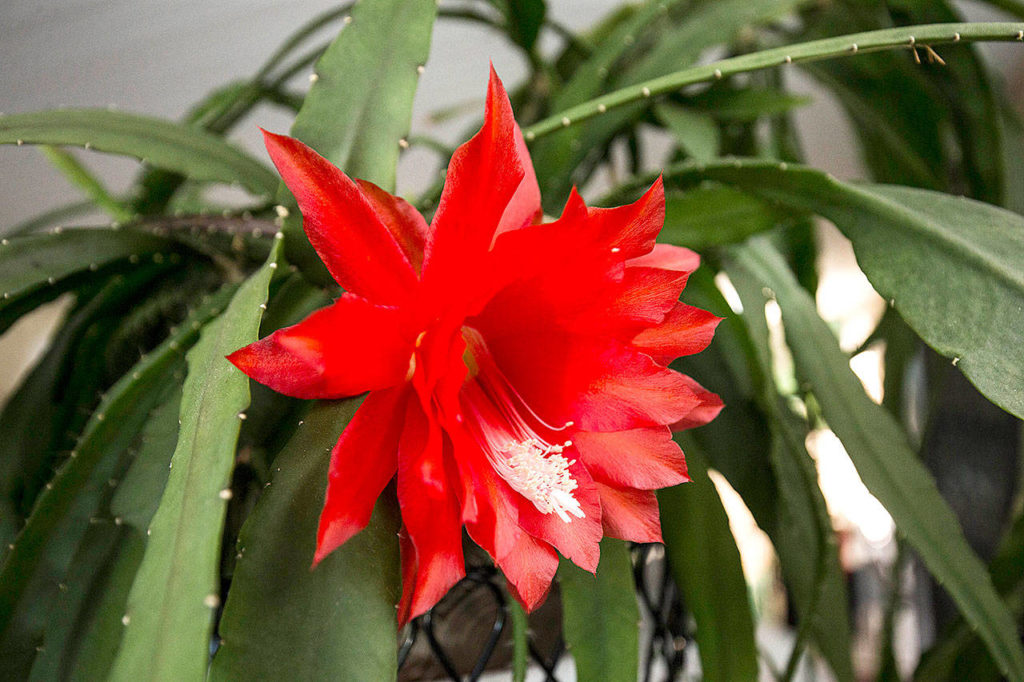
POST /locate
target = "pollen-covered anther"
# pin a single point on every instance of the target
(539, 472)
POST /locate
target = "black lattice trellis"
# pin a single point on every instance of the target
(465, 610)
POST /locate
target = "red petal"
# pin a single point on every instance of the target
(407, 554)
(353, 240)
(668, 257)
(578, 539)
(344, 349)
(582, 242)
(650, 286)
(645, 295)
(430, 512)
(630, 514)
(633, 228)
(707, 408)
(573, 273)
(529, 569)
(524, 208)
(487, 186)
(645, 458)
(403, 221)
(363, 461)
(625, 232)
(684, 331)
(491, 515)
(634, 392)
(489, 508)
(599, 384)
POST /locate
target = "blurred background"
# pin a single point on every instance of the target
(160, 58)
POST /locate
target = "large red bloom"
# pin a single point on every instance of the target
(516, 371)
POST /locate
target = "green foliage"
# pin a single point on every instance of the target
(361, 104)
(35, 423)
(600, 616)
(880, 451)
(520, 641)
(40, 556)
(175, 593)
(37, 268)
(163, 144)
(524, 19)
(802, 530)
(284, 620)
(952, 267)
(135, 501)
(706, 565)
(715, 215)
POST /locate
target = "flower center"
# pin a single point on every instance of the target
(538, 471)
(507, 431)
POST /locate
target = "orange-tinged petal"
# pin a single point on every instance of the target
(632, 228)
(707, 408)
(645, 458)
(637, 392)
(645, 295)
(630, 514)
(488, 504)
(668, 257)
(684, 331)
(529, 568)
(578, 539)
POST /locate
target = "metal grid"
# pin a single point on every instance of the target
(479, 605)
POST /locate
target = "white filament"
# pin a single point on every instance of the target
(538, 472)
(531, 466)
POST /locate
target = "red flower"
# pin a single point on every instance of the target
(516, 370)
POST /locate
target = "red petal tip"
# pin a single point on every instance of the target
(241, 358)
(269, 136)
(493, 80)
(319, 556)
(278, 147)
(495, 92)
(657, 189)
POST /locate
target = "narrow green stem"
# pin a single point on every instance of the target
(443, 150)
(81, 177)
(804, 629)
(307, 60)
(825, 541)
(871, 41)
(892, 606)
(520, 640)
(300, 36)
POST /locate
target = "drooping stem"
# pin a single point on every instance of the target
(907, 37)
(520, 640)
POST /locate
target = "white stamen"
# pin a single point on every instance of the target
(506, 429)
(538, 472)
